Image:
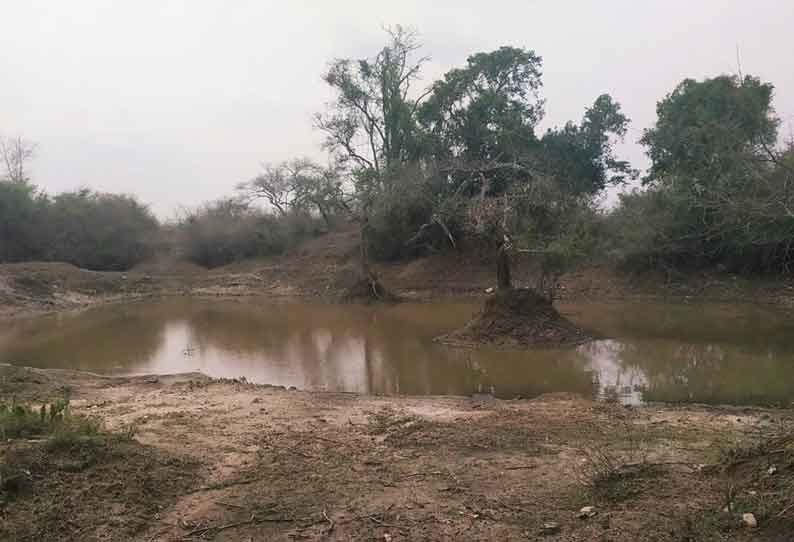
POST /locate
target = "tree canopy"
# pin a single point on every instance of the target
(712, 129)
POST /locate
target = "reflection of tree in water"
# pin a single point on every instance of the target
(389, 349)
(712, 373)
(529, 373)
(611, 377)
(741, 325)
(341, 348)
(373, 349)
(714, 353)
(119, 337)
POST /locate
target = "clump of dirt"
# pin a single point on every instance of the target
(93, 488)
(518, 318)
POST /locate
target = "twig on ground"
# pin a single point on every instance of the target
(430, 473)
(374, 519)
(331, 524)
(218, 528)
(786, 509)
(230, 505)
(318, 437)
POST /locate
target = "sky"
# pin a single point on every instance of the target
(176, 101)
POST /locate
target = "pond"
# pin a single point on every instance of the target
(708, 353)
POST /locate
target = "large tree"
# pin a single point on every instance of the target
(481, 119)
(371, 130)
(582, 156)
(370, 125)
(522, 191)
(719, 183)
(712, 131)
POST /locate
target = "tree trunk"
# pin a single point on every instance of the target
(325, 216)
(503, 278)
(365, 269)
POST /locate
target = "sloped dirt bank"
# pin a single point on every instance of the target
(322, 269)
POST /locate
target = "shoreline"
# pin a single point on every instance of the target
(79, 378)
(33, 289)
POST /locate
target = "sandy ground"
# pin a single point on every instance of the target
(232, 461)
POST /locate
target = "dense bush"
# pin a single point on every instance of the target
(226, 231)
(100, 231)
(88, 229)
(746, 227)
(719, 190)
(395, 217)
(22, 212)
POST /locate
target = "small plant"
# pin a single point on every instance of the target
(20, 421)
(24, 421)
(615, 475)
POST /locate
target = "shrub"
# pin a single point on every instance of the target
(89, 229)
(225, 231)
(395, 217)
(22, 421)
(100, 231)
(22, 211)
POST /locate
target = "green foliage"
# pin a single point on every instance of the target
(372, 106)
(582, 157)
(486, 110)
(719, 188)
(23, 421)
(88, 229)
(100, 231)
(22, 213)
(644, 231)
(708, 132)
(559, 229)
(396, 216)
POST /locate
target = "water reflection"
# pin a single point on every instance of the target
(718, 353)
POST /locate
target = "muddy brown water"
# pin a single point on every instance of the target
(709, 353)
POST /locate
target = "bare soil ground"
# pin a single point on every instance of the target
(231, 461)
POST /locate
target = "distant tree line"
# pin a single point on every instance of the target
(459, 163)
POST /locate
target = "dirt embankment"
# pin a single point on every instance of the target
(231, 461)
(326, 267)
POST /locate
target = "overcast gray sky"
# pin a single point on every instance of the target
(178, 100)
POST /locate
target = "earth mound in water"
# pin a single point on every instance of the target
(517, 318)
